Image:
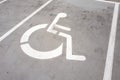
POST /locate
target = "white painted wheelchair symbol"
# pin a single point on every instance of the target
(27, 49)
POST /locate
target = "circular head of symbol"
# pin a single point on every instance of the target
(62, 15)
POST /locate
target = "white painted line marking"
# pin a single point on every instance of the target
(62, 27)
(69, 54)
(111, 45)
(111, 2)
(35, 53)
(2, 1)
(41, 55)
(27, 49)
(50, 28)
(24, 20)
(28, 33)
(68, 37)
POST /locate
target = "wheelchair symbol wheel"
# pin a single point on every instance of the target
(27, 49)
(34, 53)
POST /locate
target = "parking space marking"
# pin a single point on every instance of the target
(24, 20)
(107, 1)
(112, 38)
(27, 49)
(111, 44)
(2, 1)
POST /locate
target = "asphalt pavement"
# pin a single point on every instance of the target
(90, 23)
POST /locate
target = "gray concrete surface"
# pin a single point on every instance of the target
(90, 25)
